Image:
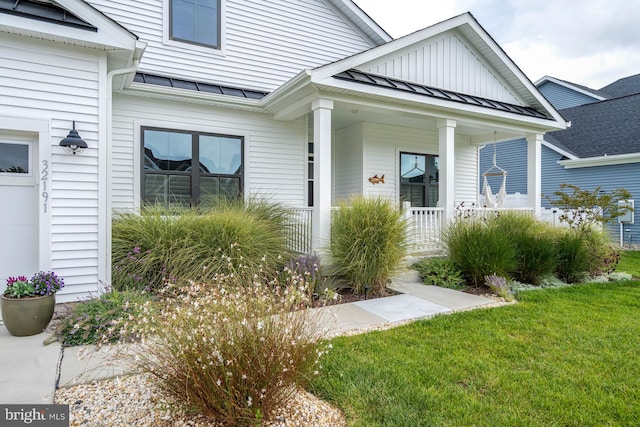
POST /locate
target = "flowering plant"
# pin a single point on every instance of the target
(46, 283)
(41, 284)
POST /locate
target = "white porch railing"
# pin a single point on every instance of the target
(301, 230)
(424, 228)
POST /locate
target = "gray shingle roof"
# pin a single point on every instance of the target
(623, 87)
(607, 127)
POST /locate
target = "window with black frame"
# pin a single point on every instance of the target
(419, 177)
(190, 168)
(195, 21)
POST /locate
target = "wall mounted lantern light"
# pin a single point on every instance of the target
(73, 143)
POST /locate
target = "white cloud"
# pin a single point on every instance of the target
(589, 42)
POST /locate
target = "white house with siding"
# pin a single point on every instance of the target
(301, 101)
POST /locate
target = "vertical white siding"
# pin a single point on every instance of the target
(265, 43)
(274, 151)
(348, 158)
(445, 62)
(41, 80)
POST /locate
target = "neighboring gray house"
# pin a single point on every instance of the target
(600, 148)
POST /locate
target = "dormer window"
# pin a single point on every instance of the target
(196, 21)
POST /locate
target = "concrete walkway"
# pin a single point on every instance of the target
(31, 371)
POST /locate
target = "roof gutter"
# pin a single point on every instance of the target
(617, 159)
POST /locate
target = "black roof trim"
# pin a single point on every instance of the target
(358, 76)
(198, 86)
(41, 11)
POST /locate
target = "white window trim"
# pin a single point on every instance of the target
(26, 179)
(167, 40)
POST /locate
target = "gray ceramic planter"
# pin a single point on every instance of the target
(27, 316)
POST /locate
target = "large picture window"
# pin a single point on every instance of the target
(195, 21)
(190, 167)
(419, 177)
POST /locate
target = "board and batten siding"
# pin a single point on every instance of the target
(47, 81)
(264, 43)
(445, 62)
(562, 97)
(348, 162)
(274, 158)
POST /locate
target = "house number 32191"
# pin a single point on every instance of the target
(44, 178)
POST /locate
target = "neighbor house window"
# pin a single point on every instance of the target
(419, 177)
(195, 21)
(14, 158)
(190, 167)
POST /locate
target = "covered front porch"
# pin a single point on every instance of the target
(406, 120)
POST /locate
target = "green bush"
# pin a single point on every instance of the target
(573, 256)
(479, 249)
(440, 272)
(181, 244)
(368, 241)
(230, 349)
(92, 320)
(534, 244)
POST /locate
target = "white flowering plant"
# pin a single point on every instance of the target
(235, 348)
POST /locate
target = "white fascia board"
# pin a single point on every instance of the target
(294, 84)
(569, 86)
(617, 159)
(559, 150)
(109, 36)
(362, 20)
(192, 96)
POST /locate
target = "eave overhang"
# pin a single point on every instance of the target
(617, 159)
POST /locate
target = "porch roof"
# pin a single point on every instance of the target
(406, 86)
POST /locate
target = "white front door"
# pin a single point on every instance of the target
(18, 212)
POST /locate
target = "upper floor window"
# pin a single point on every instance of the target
(190, 167)
(195, 21)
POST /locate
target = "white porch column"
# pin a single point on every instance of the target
(534, 172)
(321, 173)
(446, 152)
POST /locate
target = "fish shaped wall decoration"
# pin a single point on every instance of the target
(376, 179)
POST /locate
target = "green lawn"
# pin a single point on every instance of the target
(561, 357)
(629, 262)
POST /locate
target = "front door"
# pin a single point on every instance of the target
(419, 176)
(18, 213)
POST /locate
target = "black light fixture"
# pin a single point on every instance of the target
(73, 143)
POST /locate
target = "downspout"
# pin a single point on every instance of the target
(109, 152)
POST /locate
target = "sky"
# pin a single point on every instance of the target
(588, 42)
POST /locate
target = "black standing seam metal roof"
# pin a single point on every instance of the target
(198, 86)
(358, 76)
(48, 12)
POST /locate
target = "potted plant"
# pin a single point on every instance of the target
(27, 304)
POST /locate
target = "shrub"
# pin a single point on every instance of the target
(230, 349)
(534, 244)
(440, 272)
(94, 320)
(368, 241)
(573, 256)
(182, 244)
(499, 286)
(479, 249)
